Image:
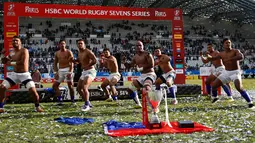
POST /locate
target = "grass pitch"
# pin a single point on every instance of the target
(232, 122)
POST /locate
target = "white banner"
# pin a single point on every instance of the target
(206, 71)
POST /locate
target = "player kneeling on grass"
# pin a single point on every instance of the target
(111, 64)
(168, 75)
(19, 59)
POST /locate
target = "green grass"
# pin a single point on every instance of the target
(232, 122)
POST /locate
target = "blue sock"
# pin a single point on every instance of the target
(2, 105)
(72, 98)
(37, 104)
(87, 103)
(172, 92)
(114, 97)
(226, 89)
(246, 96)
(59, 98)
(208, 88)
(133, 95)
(214, 93)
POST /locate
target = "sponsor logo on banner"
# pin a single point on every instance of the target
(177, 18)
(177, 14)
(177, 28)
(178, 45)
(11, 25)
(131, 78)
(99, 79)
(10, 11)
(48, 80)
(10, 68)
(95, 93)
(160, 14)
(11, 34)
(177, 36)
(94, 12)
(178, 50)
(10, 44)
(11, 52)
(31, 10)
(179, 71)
(122, 92)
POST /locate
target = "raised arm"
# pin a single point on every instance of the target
(213, 58)
(204, 59)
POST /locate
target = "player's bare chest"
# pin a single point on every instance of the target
(63, 55)
(140, 59)
(108, 62)
(83, 56)
(229, 55)
(16, 55)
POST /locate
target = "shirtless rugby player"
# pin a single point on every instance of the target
(19, 59)
(63, 70)
(111, 64)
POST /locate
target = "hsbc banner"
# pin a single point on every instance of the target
(69, 11)
(12, 12)
(48, 96)
(99, 95)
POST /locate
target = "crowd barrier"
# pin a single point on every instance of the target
(47, 94)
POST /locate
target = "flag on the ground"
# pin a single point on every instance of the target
(120, 129)
(74, 120)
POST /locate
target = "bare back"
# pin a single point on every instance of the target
(164, 63)
(143, 60)
(63, 58)
(85, 57)
(111, 64)
(218, 62)
(20, 56)
(230, 64)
